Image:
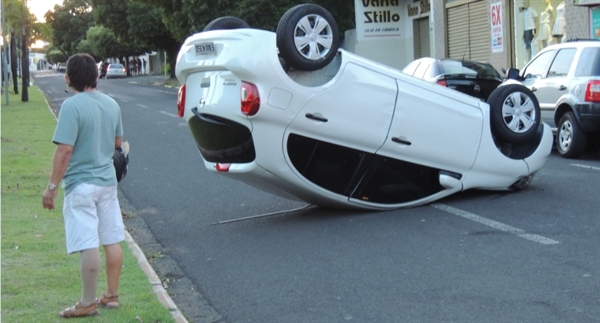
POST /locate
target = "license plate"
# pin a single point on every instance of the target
(205, 49)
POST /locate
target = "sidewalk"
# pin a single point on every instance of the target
(155, 80)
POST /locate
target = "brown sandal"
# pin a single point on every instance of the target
(108, 302)
(79, 311)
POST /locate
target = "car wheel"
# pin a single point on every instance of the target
(570, 139)
(307, 37)
(227, 22)
(514, 113)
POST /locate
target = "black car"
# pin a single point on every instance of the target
(473, 78)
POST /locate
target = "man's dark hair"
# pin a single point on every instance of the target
(82, 72)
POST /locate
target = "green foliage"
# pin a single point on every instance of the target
(55, 56)
(103, 43)
(70, 24)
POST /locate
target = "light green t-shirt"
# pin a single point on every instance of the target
(90, 122)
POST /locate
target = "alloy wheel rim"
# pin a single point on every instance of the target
(313, 37)
(565, 136)
(518, 112)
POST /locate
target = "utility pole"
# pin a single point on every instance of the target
(25, 56)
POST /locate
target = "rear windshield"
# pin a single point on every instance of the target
(589, 62)
(468, 67)
(116, 66)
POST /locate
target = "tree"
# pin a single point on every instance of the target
(15, 14)
(147, 28)
(115, 15)
(138, 25)
(55, 56)
(102, 43)
(69, 24)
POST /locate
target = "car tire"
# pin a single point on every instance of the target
(310, 49)
(225, 23)
(570, 139)
(514, 113)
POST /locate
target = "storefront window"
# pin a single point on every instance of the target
(538, 23)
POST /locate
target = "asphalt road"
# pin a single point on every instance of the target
(477, 256)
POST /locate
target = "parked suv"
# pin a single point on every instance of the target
(565, 78)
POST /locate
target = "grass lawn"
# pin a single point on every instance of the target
(38, 277)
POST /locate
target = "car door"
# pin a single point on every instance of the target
(340, 127)
(551, 88)
(434, 136)
(534, 77)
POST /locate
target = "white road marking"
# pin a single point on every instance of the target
(494, 224)
(585, 166)
(142, 106)
(169, 114)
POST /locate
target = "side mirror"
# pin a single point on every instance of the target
(512, 73)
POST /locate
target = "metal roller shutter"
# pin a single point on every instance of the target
(424, 47)
(469, 32)
(458, 32)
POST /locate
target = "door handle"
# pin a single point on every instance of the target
(314, 117)
(401, 141)
(562, 88)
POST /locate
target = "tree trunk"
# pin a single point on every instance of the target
(25, 65)
(172, 59)
(13, 61)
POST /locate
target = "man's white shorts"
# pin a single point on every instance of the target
(92, 217)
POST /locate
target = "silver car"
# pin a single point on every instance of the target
(115, 70)
(565, 78)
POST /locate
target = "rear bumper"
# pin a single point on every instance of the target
(589, 116)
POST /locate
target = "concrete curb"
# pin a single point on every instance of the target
(157, 285)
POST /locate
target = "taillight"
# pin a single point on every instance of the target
(592, 92)
(223, 167)
(250, 99)
(181, 101)
(441, 82)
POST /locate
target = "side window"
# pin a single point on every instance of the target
(420, 72)
(589, 62)
(410, 68)
(562, 63)
(537, 67)
(327, 165)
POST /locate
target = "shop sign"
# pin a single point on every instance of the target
(585, 2)
(418, 10)
(497, 30)
(377, 18)
(595, 22)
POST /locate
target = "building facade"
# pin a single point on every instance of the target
(505, 33)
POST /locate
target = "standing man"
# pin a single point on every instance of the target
(144, 64)
(88, 131)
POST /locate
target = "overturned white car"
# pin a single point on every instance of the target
(290, 113)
